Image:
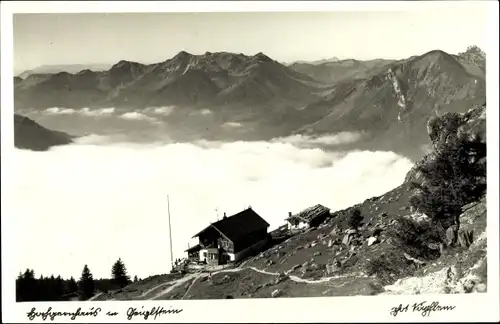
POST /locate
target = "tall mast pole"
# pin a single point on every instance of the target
(170, 233)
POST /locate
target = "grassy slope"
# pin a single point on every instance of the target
(350, 280)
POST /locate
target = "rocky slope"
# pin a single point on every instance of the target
(395, 104)
(327, 261)
(302, 265)
(32, 136)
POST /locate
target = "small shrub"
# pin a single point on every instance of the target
(355, 219)
(413, 237)
(386, 264)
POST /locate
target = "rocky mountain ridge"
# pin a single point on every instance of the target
(185, 79)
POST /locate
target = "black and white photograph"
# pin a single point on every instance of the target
(164, 156)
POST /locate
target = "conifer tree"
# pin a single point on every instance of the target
(28, 286)
(119, 274)
(72, 285)
(454, 174)
(86, 284)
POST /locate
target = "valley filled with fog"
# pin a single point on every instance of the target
(105, 196)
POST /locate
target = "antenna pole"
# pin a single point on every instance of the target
(170, 233)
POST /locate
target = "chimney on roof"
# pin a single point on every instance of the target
(224, 216)
(289, 214)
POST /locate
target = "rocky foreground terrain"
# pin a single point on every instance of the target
(334, 260)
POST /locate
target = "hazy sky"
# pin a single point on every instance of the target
(41, 39)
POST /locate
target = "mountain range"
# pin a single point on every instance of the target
(389, 99)
(70, 68)
(332, 59)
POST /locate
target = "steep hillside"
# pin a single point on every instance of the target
(395, 250)
(302, 266)
(32, 136)
(394, 105)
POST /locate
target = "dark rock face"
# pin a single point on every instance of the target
(32, 136)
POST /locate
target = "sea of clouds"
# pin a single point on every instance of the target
(103, 198)
(149, 114)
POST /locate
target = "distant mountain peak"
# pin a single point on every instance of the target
(182, 55)
(262, 57)
(318, 62)
(62, 74)
(70, 68)
(434, 57)
(436, 52)
(124, 63)
(86, 71)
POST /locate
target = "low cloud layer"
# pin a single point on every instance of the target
(150, 114)
(331, 139)
(164, 111)
(97, 112)
(83, 111)
(134, 115)
(95, 201)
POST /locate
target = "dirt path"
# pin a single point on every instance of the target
(191, 285)
(263, 271)
(196, 276)
(293, 278)
(321, 280)
(147, 292)
(94, 297)
(176, 283)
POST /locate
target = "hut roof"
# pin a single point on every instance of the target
(239, 225)
(310, 213)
